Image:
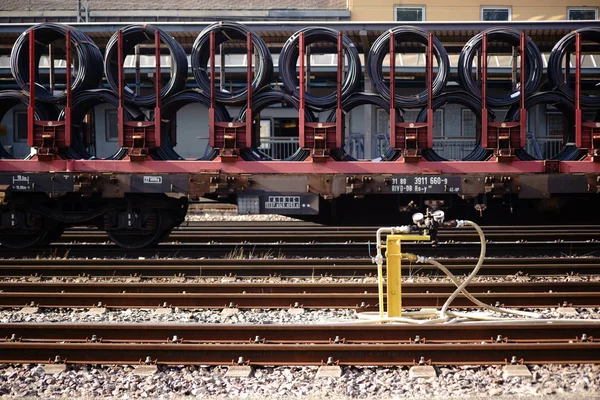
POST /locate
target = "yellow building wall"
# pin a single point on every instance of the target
(466, 10)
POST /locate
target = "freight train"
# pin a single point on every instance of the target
(139, 190)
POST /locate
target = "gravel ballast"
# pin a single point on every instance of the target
(549, 382)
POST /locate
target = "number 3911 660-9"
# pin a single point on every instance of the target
(430, 180)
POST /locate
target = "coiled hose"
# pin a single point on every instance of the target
(555, 64)
(566, 107)
(465, 99)
(225, 31)
(357, 100)
(169, 108)
(288, 59)
(88, 62)
(12, 98)
(132, 36)
(83, 102)
(534, 67)
(407, 34)
(272, 97)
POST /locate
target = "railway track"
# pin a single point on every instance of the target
(250, 296)
(244, 266)
(306, 249)
(228, 232)
(344, 344)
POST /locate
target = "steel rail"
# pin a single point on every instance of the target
(242, 234)
(297, 288)
(243, 266)
(322, 249)
(537, 331)
(295, 351)
(286, 300)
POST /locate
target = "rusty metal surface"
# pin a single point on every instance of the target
(302, 352)
(321, 249)
(288, 333)
(283, 300)
(241, 233)
(407, 287)
(256, 267)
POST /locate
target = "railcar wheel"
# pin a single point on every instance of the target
(20, 229)
(135, 229)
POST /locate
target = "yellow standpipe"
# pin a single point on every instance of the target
(394, 258)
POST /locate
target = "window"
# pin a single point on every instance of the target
(20, 126)
(495, 13)
(112, 126)
(469, 123)
(410, 13)
(582, 13)
(556, 125)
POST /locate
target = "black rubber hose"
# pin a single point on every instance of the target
(467, 100)
(132, 36)
(407, 34)
(288, 59)
(11, 98)
(225, 31)
(169, 108)
(83, 102)
(555, 64)
(566, 107)
(534, 67)
(88, 59)
(357, 100)
(272, 97)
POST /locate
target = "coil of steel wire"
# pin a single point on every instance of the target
(225, 31)
(555, 64)
(467, 100)
(11, 98)
(357, 100)
(132, 36)
(83, 102)
(407, 34)
(88, 62)
(534, 67)
(288, 59)
(562, 104)
(169, 108)
(271, 97)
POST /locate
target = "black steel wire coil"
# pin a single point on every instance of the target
(169, 108)
(357, 100)
(555, 64)
(566, 107)
(467, 100)
(272, 97)
(534, 67)
(11, 98)
(87, 75)
(407, 34)
(288, 59)
(225, 31)
(83, 102)
(132, 36)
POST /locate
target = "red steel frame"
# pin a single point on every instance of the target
(502, 137)
(48, 136)
(321, 137)
(138, 136)
(411, 137)
(230, 137)
(587, 134)
(276, 167)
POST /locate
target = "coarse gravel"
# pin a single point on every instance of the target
(464, 382)
(243, 316)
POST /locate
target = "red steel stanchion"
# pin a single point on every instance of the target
(230, 137)
(587, 134)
